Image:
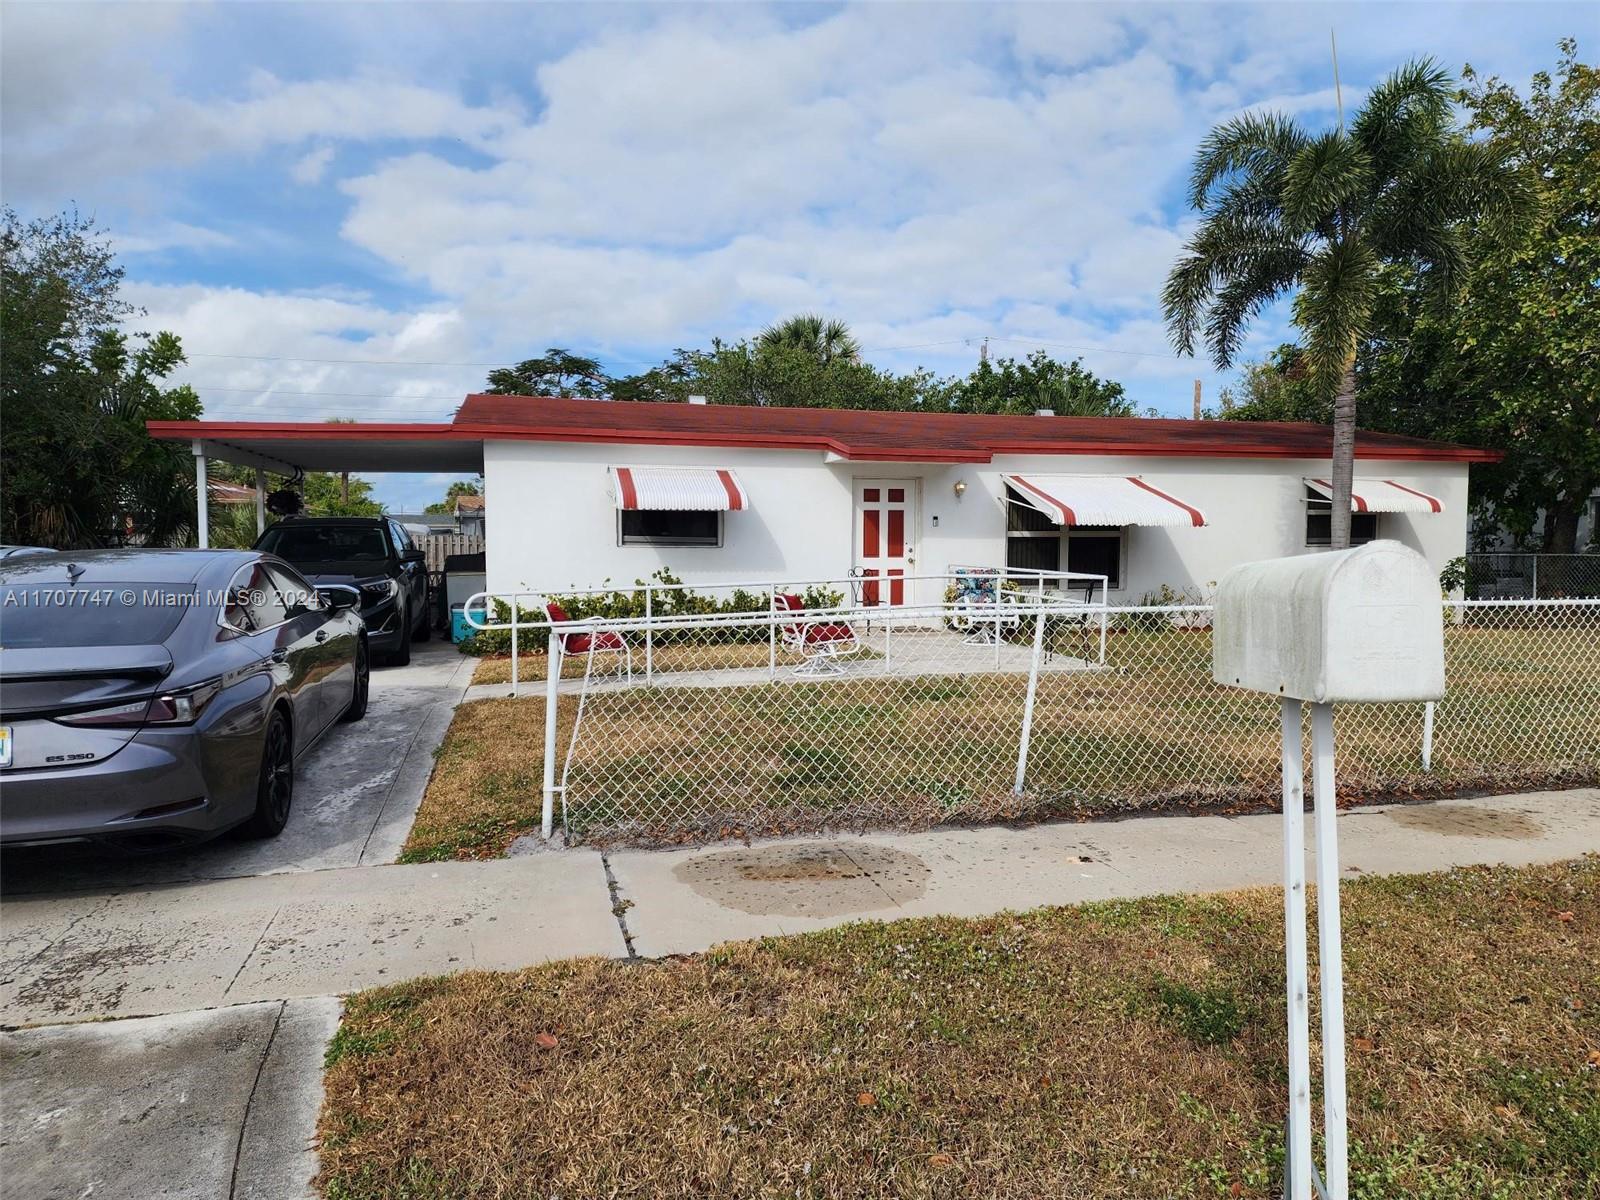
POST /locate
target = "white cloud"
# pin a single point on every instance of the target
(310, 168)
(652, 178)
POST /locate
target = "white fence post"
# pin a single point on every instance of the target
(772, 633)
(1298, 1161)
(1427, 735)
(552, 690)
(1027, 704)
(514, 671)
(649, 636)
(1330, 956)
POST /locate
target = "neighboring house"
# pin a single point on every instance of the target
(1489, 537)
(591, 491)
(230, 493)
(469, 514)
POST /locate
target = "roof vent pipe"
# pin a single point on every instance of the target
(1044, 412)
(697, 399)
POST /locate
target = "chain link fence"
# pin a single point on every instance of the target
(1517, 576)
(771, 722)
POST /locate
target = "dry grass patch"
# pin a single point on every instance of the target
(486, 784)
(1123, 1049)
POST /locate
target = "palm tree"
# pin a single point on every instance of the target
(823, 337)
(1326, 214)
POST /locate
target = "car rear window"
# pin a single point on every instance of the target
(128, 614)
(325, 543)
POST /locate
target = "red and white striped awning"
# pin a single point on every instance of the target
(1102, 500)
(678, 489)
(1381, 496)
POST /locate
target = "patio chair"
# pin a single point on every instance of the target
(819, 643)
(860, 579)
(974, 609)
(601, 641)
(1079, 622)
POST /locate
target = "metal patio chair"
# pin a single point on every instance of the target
(820, 642)
(602, 641)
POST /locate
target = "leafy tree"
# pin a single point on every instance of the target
(1277, 388)
(1320, 215)
(79, 468)
(1527, 332)
(824, 338)
(1039, 381)
(555, 373)
(461, 487)
(324, 494)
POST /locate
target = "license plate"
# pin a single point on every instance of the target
(5, 745)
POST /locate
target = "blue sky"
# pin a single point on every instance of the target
(353, 210)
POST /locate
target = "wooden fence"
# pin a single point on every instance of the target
(438, 546)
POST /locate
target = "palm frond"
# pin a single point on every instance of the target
(1250, 144)
(1329, 173)
(1404, 115)
(1338, 287)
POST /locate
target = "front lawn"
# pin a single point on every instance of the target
(1121, 1049)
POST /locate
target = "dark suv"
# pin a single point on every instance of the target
(373, 554)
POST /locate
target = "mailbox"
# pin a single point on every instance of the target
(1358, 625)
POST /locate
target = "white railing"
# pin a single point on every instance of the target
(525, 610)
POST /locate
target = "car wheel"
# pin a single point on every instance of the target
(425, 626)
(358, 702)
(402, 653)
(275, 787)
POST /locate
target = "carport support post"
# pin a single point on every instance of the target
(1330, 956)
(552, 664)
(261, 501)
(1297, 1170)
(202, 506)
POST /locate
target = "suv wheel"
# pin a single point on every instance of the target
(424, 628)
(402, 654)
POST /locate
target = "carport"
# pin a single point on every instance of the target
(290, 446)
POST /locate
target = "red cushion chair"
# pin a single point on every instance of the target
(602, 641)
(820, 644)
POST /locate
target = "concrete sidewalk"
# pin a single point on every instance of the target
(169, 949)
(199, 1105)
(683, 901)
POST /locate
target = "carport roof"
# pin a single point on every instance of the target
(328, 446)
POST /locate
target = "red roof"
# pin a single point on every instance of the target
(920, 436)
(851, 434)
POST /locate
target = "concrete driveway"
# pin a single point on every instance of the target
(354, 797)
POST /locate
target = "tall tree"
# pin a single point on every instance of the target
(556, 372)
(826, 339)
(1039, 382)
(79, 468)
(1284, 210)
(1527, 333)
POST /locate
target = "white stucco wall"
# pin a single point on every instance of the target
(552, 522)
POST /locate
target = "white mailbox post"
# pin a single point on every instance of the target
(1353, 626)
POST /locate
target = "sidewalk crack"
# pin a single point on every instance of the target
(619, 907)
(244, 1121)
(252, 953)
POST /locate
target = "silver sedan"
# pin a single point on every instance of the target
(159, 697)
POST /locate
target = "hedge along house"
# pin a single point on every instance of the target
(585, 493)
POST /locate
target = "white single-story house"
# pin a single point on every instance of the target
(586, 492)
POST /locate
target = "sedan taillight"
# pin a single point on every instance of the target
(173, 708)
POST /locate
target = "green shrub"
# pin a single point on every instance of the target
(671, 600)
